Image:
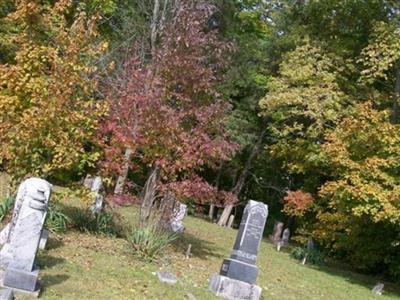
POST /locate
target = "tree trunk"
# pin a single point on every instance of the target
(153, 26)
(148, 196)
(166, 212)
(241, 180)
(212, 206)
(119, 186)
(396, 95)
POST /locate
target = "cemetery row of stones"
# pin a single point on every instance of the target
(24, 235)
(21, 238)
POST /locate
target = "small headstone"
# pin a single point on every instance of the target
(97, 185)
(230, 222)
(285, 237)
(275, 237)
(378, 288)
(188, 251)
(166, 277)
(238, 273)
(19, 252)
(178, 217)
(304, 260)
(88, 181)
(7, 294)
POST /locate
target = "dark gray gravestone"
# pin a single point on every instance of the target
(242, 263)
(238, 273)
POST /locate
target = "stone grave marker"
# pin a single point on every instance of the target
(177, 218)
(19, 252)
(285, 237)
(378, 288)
(96, 187)
(238, 273)
(275, 237)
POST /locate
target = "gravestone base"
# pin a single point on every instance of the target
(20, 292)
(21, 279)
(239, 270)
(233, 289)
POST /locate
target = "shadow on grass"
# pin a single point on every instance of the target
(54, 243)
(351, 276)
(344, 271)
(50, 280)
(47, 261)
(201, 248)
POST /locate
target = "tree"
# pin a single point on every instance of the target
(362, 156)
(49, 111)
(169, 114)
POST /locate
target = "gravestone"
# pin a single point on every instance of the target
(19, 252)
(275, 237)
(238, 273)
(177, 218)
(96, 187)
(378, 288)
(285, 237)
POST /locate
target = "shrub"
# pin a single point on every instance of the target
(148, 243)
(104, 222)
(314, 257)
(5, 206)
(56, 221)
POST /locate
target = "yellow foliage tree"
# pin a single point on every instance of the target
(48, 108)
(362, 199)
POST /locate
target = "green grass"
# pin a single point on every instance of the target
(85, 266)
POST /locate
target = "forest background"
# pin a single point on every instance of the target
(293, 103)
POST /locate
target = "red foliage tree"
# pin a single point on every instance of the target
(296, 203)
(168, 111)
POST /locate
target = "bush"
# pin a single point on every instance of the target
(56, 221)
(314, 257)
(5, 206)
(104, 222)
(148, 243)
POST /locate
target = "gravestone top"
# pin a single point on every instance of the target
(285, 237)
(178, 217)
(277, 232)
(250, 232)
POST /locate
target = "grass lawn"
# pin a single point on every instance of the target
(85, 266)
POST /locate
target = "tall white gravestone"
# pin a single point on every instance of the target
(238, 273)
(19, 252)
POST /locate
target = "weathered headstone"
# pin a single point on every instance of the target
(177, 218)
(275, 237)
(378, 288)
(285, 237)
(238, 273)
(19, 252)
(96, 187)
